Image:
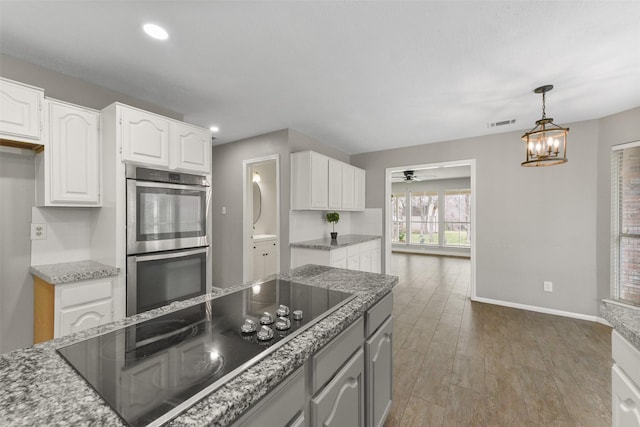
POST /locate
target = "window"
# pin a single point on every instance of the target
(398, 218)
(457, 218)
(625, 219)
(424, 218)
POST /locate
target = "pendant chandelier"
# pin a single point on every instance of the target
(546, 143)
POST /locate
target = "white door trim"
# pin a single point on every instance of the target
(247, 213)
(387, 214)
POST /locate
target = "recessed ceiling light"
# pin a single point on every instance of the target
(155, 31)
(214, 129)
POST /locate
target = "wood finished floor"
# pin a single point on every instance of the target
(463, 363)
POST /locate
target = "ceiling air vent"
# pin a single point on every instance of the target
(501, 123)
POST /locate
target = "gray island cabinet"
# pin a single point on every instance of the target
(335, 373)
(348, 382)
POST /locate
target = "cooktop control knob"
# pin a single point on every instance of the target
(266, 318)
(265, 333)
(249, 326)
(297, 314)
(283, 324)
(282, 311)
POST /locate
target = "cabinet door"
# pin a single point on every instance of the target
(270, 259)
(258, 262)
(348, 186)
(360, 188)
(335, 184)
(20, 111)
(191, 148)
(365, 261)
(341, 402)
(376, 260)
(625, 400)
(145, 137)
(379, 374)
(319, 181)
(88, 316)
(72, 155)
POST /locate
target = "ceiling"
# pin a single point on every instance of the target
(360, 76)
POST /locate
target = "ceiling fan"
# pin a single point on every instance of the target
(409, 176)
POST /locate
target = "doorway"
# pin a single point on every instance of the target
(261, 217)
(429, 231)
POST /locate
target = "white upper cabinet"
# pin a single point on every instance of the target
(155, 141)
(348, 182)
(309, 181)
(321, 183)
(145, 137)
(360, 187)
(192, 148)
(335, 184)
(68, 170)
(20, 111)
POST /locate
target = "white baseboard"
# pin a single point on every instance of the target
(604, 322)
(541, 309)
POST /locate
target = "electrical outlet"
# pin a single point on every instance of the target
(224, 210)
(548, 286)
(38, 231)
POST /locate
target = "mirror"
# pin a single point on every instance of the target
(257, 202)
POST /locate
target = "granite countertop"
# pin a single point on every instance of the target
(69, 272)
(342, 241)
(625, 320)
(37, 387)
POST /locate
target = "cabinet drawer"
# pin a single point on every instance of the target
(626, 356)
(283, 406)
(329, 359)
(378, 313)
(85, 292)
(339, 254)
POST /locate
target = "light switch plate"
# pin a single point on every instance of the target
(548, 286)
(38, 231)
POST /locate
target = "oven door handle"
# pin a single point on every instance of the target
(170, 186)
(178, 254)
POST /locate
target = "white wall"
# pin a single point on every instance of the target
(311, 225)
(17, 196)
(532, 224)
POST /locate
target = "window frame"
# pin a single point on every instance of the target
(616, 222)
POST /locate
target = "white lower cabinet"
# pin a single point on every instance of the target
(625, 383)
(361, 257)
(82, 305)
(265, 259)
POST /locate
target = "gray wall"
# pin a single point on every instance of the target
(227, 191)
(532, 224)
(616, 129)
(17, 189)
(65, 88)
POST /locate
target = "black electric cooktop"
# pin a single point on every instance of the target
(151, 371)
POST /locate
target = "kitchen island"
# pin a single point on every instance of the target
(39, 388)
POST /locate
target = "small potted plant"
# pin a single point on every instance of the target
(333, 218)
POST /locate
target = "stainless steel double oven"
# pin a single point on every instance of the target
(167, 237)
